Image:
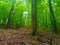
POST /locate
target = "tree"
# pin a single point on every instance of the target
(10, 15)
(53, 21)
(34, 18)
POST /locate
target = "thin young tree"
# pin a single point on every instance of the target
(34, 18)
(10, 15)
(53, 22)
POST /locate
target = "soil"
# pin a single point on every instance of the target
(22, 36)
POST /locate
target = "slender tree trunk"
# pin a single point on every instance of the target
(34, 18)
(10, 15)
(53, 22)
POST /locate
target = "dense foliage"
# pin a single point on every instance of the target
(22, 12)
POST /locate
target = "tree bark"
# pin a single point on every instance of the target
(53, 22)
(10, 15)
(34, 18)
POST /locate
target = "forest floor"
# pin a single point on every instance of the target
(23, 36)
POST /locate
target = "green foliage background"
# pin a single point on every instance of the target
(21, 6)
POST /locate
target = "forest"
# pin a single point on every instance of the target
(29, 22)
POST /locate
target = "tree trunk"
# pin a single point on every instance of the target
(53, 22)
(10, 15)
(34, 18)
